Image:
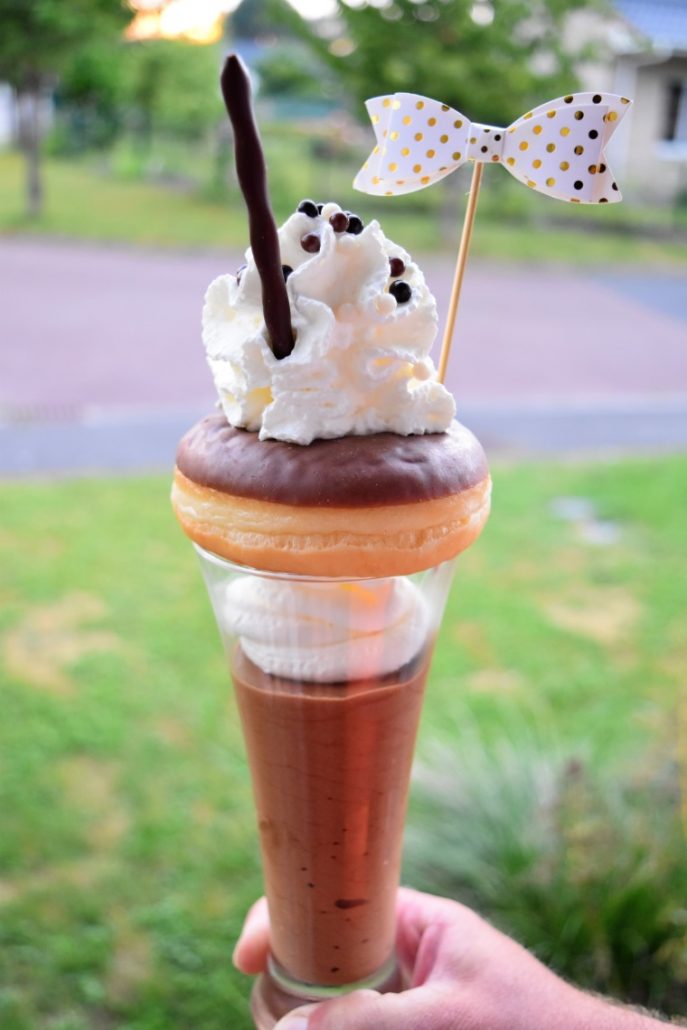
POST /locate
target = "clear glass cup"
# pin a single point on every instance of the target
(329, 677)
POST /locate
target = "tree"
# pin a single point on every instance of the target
(36, 38)
(285, 70)
(251, 20)
(491, 59)
(90, 96)
(173, 86)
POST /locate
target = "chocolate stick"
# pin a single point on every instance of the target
(252, 176)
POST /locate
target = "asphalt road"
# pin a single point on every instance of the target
(103, 343)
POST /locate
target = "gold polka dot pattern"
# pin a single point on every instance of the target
(564, 140)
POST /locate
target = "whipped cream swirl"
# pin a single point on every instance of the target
(326, 632)
(361, 361)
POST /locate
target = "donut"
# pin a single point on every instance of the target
(354, 506)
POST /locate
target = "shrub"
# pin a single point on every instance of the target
(581, 861)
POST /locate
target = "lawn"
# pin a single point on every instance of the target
(128, 851)
(106, 201)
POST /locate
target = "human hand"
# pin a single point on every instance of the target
(463, 975)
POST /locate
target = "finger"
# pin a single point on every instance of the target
(433, 934)
(420, 921)
(297, 1019)
(425, 1007)
(250, 953)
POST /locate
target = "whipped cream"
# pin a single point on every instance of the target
(361, 361)
(326, 632)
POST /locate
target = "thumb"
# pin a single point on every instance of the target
(297, 1019)
(367, 1010)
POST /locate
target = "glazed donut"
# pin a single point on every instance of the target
(355, 506)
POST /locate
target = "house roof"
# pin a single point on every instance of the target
(663, 22)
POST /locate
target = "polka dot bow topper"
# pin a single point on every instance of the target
(557, 149)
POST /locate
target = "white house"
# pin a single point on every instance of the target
(7, 115)
(643, 55)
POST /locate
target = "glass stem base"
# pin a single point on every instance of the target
(275, 993)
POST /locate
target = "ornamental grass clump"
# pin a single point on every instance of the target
(580, 859)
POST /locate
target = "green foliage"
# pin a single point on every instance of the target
(89, 98)
(38, 36)
(251, 20)
(581, 862)
(492, 72)
(102, 84)
(286, 71)
(93, 76)
(157, 86)
(172, 86)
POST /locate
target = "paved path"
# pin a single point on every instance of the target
(108, 335)
(148, 443)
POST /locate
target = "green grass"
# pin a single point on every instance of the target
(110, 201)
(128, 852)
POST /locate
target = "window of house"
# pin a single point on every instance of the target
(675, 126)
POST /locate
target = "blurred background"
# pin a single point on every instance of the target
(551, 783)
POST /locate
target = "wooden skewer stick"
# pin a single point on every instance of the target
(463, 249)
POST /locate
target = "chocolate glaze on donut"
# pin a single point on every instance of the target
(348, 472)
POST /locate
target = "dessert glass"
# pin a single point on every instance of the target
(330, 765)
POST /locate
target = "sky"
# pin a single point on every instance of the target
(314, 8)
(200, 20)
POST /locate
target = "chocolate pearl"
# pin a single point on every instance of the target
(287, 270)
(310, 242)
(396, 267)
(319, 207)
(355, 225)
(401, 291)
(309, 208)
(339, 222)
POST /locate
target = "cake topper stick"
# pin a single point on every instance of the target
(558, 148)
(465, 238)
(252, 176)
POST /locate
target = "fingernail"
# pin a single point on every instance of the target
(298, 1019)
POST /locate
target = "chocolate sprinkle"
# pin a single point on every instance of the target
(310, 243)
(401, 291)
(309, 208)
(339, 222)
